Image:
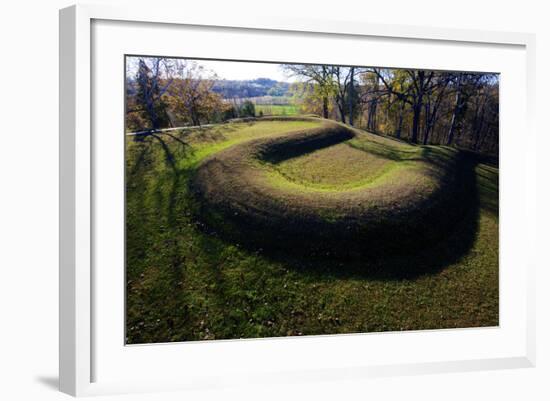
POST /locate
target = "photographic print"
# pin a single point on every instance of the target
(273, 199)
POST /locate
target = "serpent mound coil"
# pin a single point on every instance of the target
(260, 193)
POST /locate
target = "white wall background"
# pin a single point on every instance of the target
(29, 186)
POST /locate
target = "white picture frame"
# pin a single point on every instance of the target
(79, 317)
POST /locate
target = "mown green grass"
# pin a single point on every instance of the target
(276, 109)
(364, 161)
(185, 284)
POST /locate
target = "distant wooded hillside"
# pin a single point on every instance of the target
(230, 89)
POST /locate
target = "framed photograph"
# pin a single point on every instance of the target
(281, 200)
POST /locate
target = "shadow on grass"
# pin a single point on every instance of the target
(425, 254)
(296, 147)
(428, 255)
(414, 239)
(431, 259)
(146, 223)
(195, 279)
(177, 174)
(422, 255)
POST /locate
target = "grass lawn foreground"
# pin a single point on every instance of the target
(183, 283)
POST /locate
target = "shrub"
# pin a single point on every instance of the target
(247, 109)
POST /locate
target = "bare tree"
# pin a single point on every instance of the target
(351, 95)
(320, 75)
(154, 77)
(465, 86)
(432, 104)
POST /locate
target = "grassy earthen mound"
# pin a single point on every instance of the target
(333, 191)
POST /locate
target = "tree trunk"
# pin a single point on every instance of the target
(478, 124)
(426, 123)
(373, 108)
(351, 96)
(456, 111)
(400, 123)
(371, 123)
(417, 109)
(194, 116)
(152, 114)
(325, 107)
(452, 128)
(341, 110)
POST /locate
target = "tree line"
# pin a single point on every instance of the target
(420, 106)
(167, 92)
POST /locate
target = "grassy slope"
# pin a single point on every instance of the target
(185, 285)
(276, 109)
(359, 163)
(334, 168)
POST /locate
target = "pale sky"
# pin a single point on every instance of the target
(234, 70)
(241, 70)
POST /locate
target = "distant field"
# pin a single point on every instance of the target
(186, 283)
(277, 109)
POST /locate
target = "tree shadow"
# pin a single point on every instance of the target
(388, 152)
(167, 188)
(177, 175)
(204, 134)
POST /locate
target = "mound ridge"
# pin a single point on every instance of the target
(420, 197)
